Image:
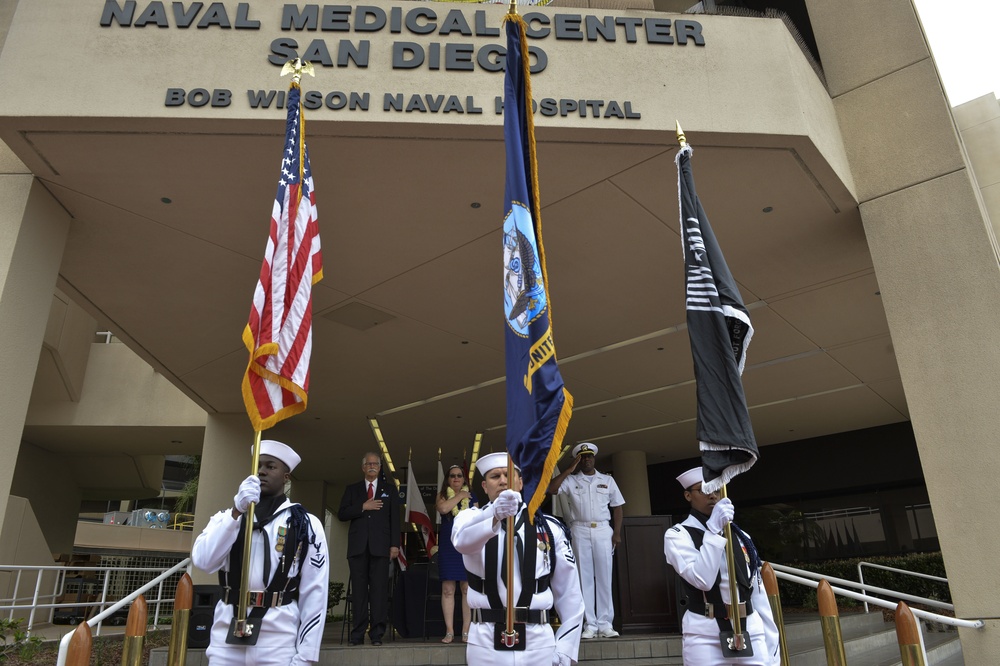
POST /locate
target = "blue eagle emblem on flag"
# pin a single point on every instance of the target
(523, 288)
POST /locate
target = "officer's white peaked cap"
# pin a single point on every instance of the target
(584, 447)
(690, 477)
(282, 452)
(492, 461)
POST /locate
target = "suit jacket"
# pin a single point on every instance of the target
(371, 531)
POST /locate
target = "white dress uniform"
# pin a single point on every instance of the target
(471, 533)
(290, 634)
(701, 568)
(591, 500)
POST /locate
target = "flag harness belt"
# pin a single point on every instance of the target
(709, 603)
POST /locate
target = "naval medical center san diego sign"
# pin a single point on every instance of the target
(340, 36)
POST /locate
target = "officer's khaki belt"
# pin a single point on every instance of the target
(497, 615)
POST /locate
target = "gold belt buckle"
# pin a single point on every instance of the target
(593, 524)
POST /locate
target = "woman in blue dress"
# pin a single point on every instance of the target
(454, 497)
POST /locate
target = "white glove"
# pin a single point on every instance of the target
(722, 513)
(249, 492)
(506, 504)
(560, 659)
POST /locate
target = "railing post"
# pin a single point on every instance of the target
(861, 579)
(135, 632)
(774, 598)
(908, 636)
(80, 646)
(183, 600)
(829, 619)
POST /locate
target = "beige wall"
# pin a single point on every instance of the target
(750, 83)
(128, 537)
(937, 268)
(978, 122)
(32, 234)
(54, 495)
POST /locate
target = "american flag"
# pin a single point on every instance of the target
(279, 333)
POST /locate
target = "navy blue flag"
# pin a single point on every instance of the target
(720, 331)
(538, 405)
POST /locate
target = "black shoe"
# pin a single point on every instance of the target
(377, 642)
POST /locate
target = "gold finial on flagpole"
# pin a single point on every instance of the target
(681, 139)
(512, 8)
(296, 67)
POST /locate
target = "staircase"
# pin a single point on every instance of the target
(868, 641)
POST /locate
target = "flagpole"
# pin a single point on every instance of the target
(510, 636)
(734, 593)
(241, 629)
(734, 589)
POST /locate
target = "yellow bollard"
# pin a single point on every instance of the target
(135, 633)
(774, 598)
(829, 619)
(80, 646)
(908, 636)
(183, 597)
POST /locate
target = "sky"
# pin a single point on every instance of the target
(964, 39)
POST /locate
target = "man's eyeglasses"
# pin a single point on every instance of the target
(699, 491)
(456, 476)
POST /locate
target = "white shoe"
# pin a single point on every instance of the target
(588, 633)
(608, 633)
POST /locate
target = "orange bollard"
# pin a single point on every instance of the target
(135, 633)
(183, 599)
(908, 636)
(829, 619)
(80, 646)
(774, 598)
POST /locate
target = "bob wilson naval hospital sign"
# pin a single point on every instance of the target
(426, 37)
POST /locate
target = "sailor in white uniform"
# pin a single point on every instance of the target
(595, 503)
(289, 570)
(696, 549)
(544, 551)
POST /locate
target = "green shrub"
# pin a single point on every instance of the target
(794, 595)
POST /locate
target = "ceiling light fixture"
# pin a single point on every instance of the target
(166, 200)
(377, 431)
(767, 209)
(476, 204)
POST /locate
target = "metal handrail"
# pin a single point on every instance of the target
(861, 577)
(59, 587)
(784, 572)
(902, 596)
(97, 619)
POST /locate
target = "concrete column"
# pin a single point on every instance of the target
(225, 462)
(633, 480)
(935, 257)
(336, 539)
(33, 231)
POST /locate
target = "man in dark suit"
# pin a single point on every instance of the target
(372, 507)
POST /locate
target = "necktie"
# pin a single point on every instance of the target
(371, 490)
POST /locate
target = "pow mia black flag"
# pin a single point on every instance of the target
(720, 331)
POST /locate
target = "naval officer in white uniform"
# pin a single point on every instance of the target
(595, 504)
(543, 551)
(289, 569)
